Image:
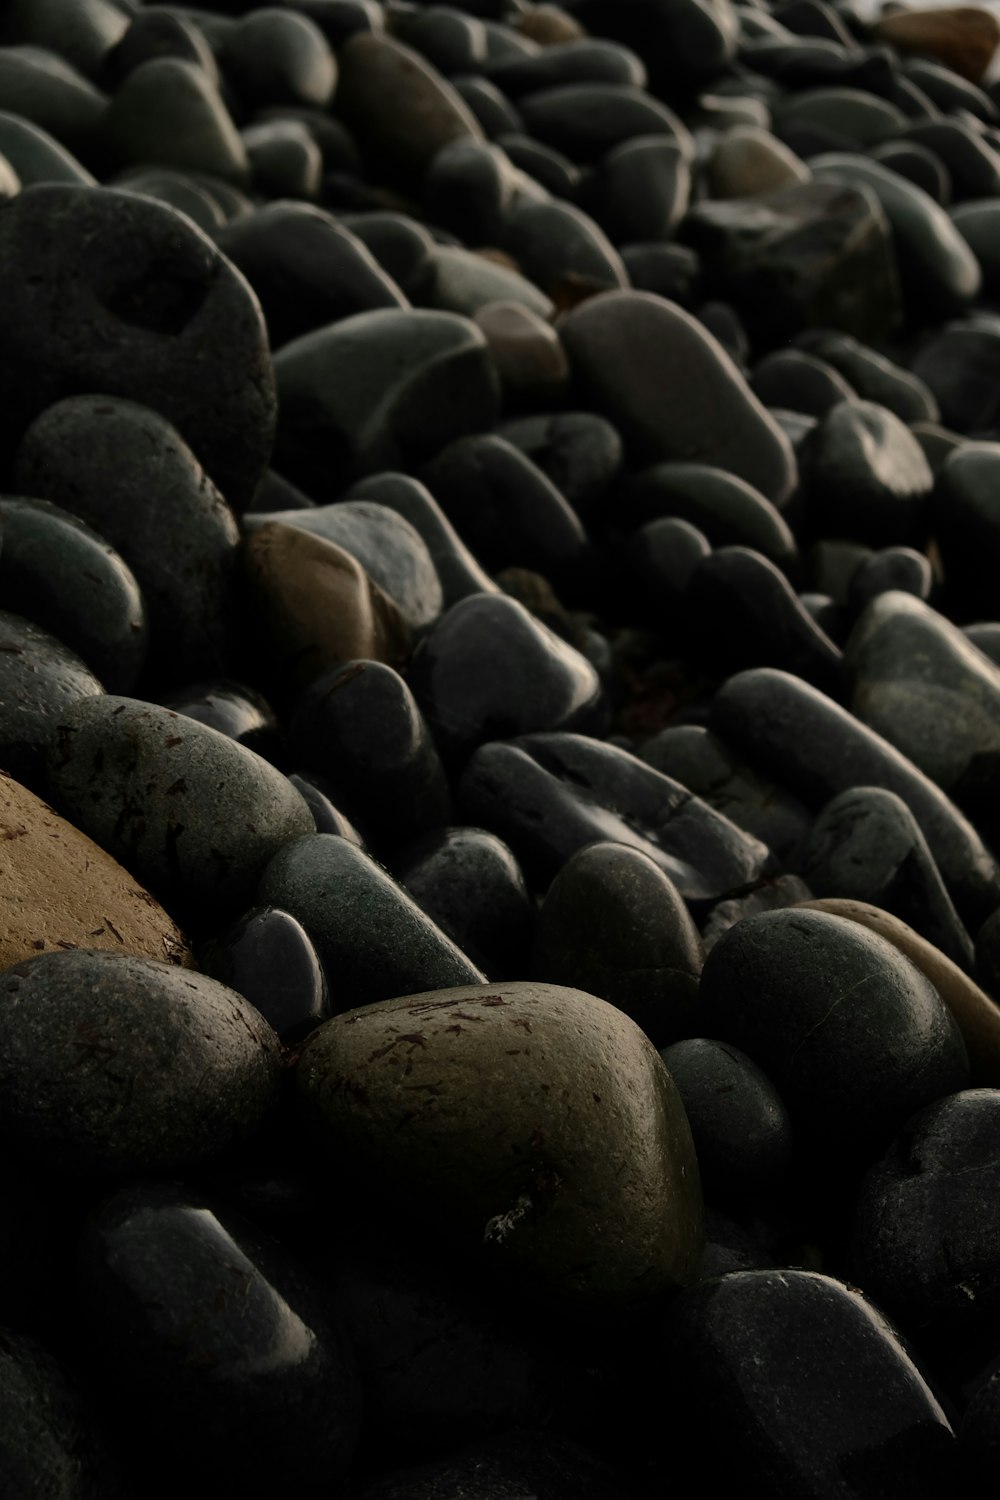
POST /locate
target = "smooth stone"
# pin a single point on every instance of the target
(588, 59)
(469, 882)
(340, 19)
(195, 1069)
(177, 190)
(587, 120)
(466, 283)
(776, 894)
(745, 613)
(315, 606)
(471, 188)
(81, 31)
(862, 118)
(640, 190)
(326, 817)
(985, 636)
(392, 552)
(723, 323)
(307, 270)
(125, 471)
(833, 564)
(59, 573)
(562, 250)
(158, 33)
(892, 569)
(794, 380)
(811, 254)
(920, 683)
(169, 112)
(380, 390)
(42, 88)
(961, 365)
(684, 43)
(507, 511)
(977, 221)
(488, 1104)
(47, 1445)
(667, 269)
(40, 680)
(707, 766)
(938, 271)
(739, 1124)
(938, 443)
(285, 161)
(973, 165)
(397, 103)
(275, 56)
(490, 668)
(520, 1460)
(672, 390)
(62, 891)
(864, 475)
(148, 310)
(496, 115)
(946, 89)
(659, 560)
(199, 1329)
(873, 376)
(550, 168)
(549, 25)
(614, 922)
(458, 571)
(967, 527)
(976, 1015)
(193, 813)
(851, 1034)
(963, 38)
(816, 749)
(924, 1235)
(372, 938)
(360, 729)
(867, 846)
(581, 452)
(531, 361)
(235, 710)
(828, 614)
(450, 40)
(548, 795)
(37, 156)
(728, 510)
(798, 1379)
(918, 165)
(267, 958)
(337, 146)
(749, 160)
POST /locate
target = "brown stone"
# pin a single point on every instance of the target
(397, 102)
(963, 37)
(975, 1014)
(316, 605)
(549, 26)
(60, 890)
(526, 350)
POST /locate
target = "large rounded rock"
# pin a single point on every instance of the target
(60, 890)
(535, 1117)
(186, 808)
(107, 291)
(673, 390)
(112, 1063)
(40, 680)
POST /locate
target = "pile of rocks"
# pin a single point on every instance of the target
(500, 732)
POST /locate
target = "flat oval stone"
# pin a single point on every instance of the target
(490, 667)
(315, 606)
(372, 938)
(168, 111)
(562, 250)
(975, 1014)
(864, 475)
(867, 845)
(199, 1329)
(672, 389)
(40, 680)
(424, 111)
(452, 41)
(267, 957)
(276, 56)
(972, 164)
(817, 749)
(37, 156)
(853, 1036)
(920, 682)
(192, 812)
(360, 729)
(587, 120)
(400, 1089)
(727, 510)
(125, 471)
(55, 570)
(142, 297)
(758, 1403)
(548, 795)
(469, 882)
(41, 87)
(117, 1064)
(380, 390)
(62, 891)
(964, 38)
(615, 922)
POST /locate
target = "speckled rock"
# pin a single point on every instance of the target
(114, 1064)
(574, 1163)
(186, 808)
(58, 889)
(40, 679)
(45, 1446)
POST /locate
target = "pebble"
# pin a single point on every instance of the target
(864, 472)
(40, 680)
(168, 111)
(729, 511)
(424, 112)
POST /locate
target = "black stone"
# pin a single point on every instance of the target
(864, 476)
(268, 959)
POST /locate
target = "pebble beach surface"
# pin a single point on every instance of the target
(499, 750)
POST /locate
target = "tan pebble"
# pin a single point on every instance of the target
(549, 26)
(964, 38)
